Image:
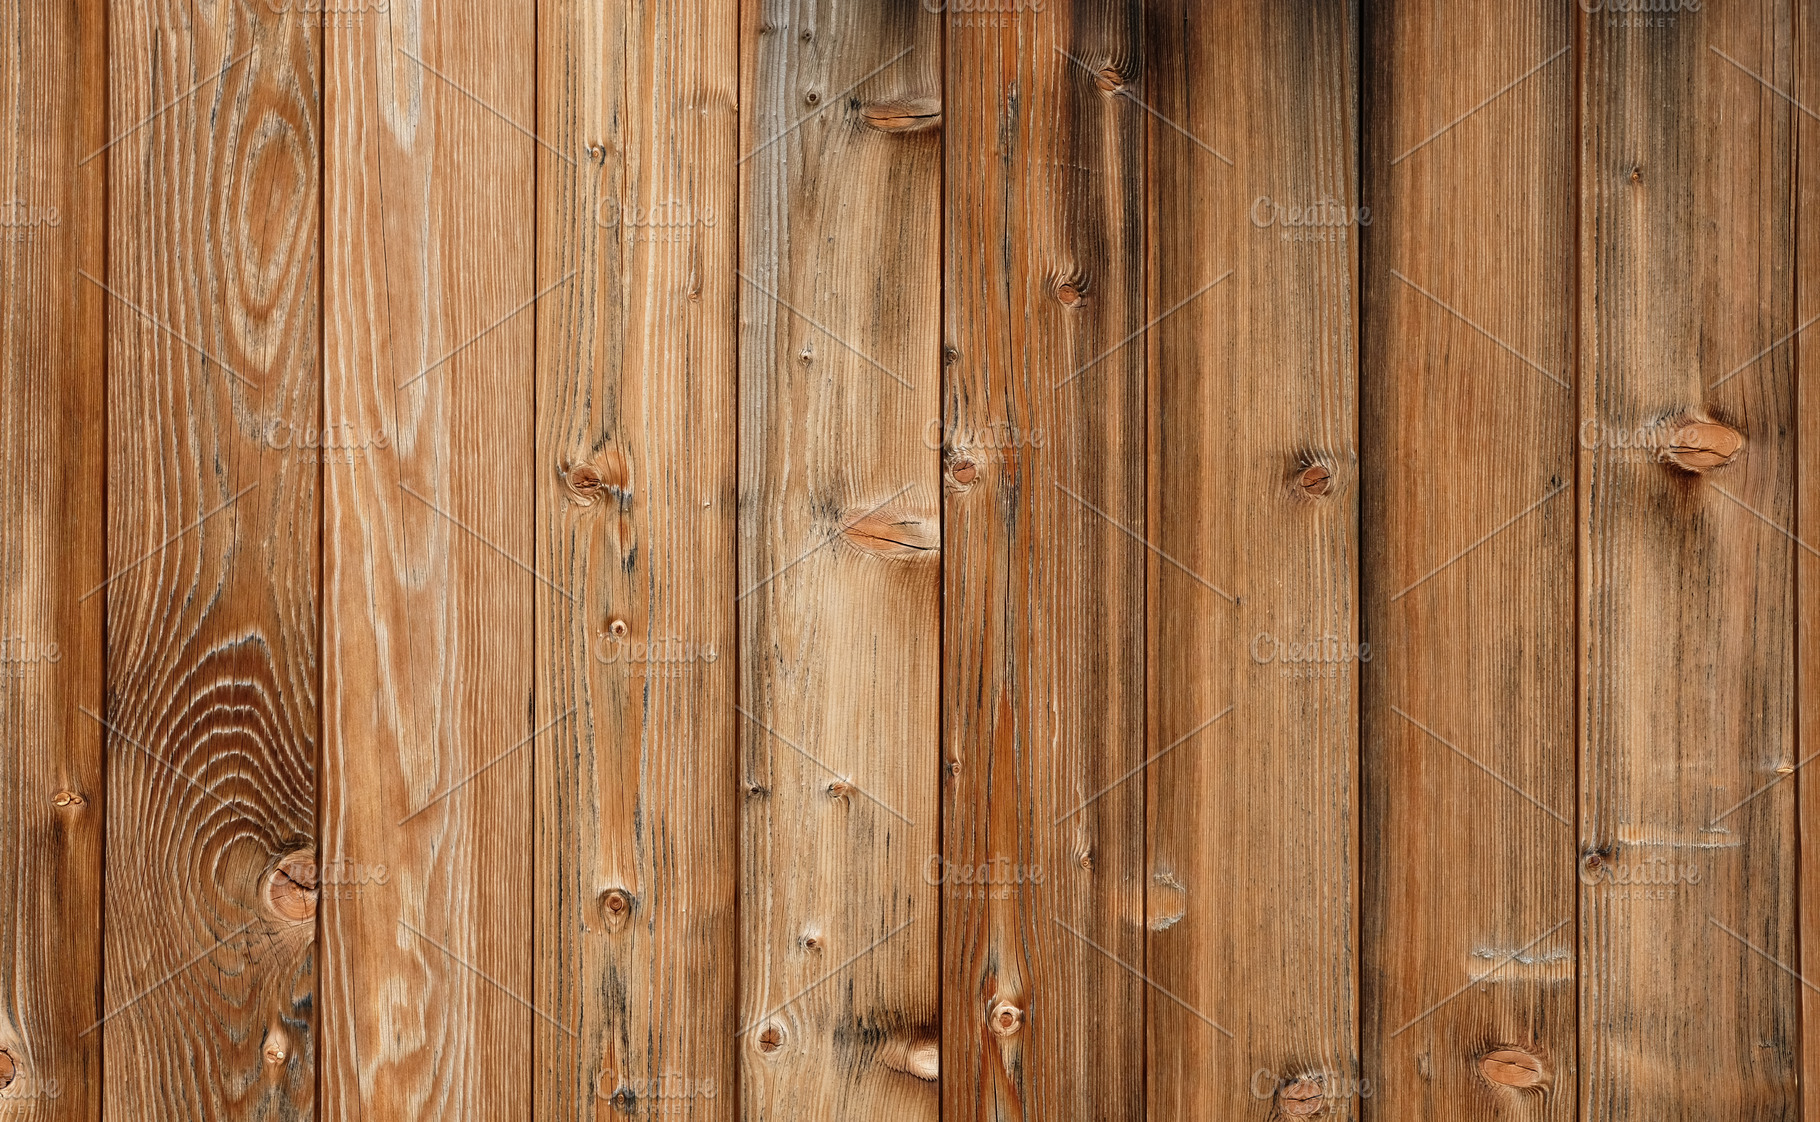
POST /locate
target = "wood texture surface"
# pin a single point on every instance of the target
(52, 443)
(427, 815)
(1687, 587)
(636, 827)
(1469, 426)
(1043, 659)
(1805, 109)
(839, 559)
(1253, 594)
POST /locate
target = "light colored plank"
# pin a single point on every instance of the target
(428, 526)
(839, 570)
(636, 820)
(1469, 431)
(1043, 666)
(1686, 261)
(53, 112)
(1253, 590)
(212, 535)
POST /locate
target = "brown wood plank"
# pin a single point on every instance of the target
(1806, 346)
(839, 559)
(1253, 594)
(1687, 578)
(428, 535)
(1468, 433)
(53, 112)
(1043, 665)
(212, 535)
(636, 826)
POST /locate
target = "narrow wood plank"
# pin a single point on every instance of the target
(1687, 584)
(212, 533)
(1253, 594)
(1806, 346)
(636, 820)
(53, 112)
(427, 545)
(839, 547)
(1043, 661)
(1468, 434)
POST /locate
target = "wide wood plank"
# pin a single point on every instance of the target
(636, 822)
(53, 112)
(1043, 662)
(426, 826)
(839, 547)
(1468, 432)
(1253, 596)
(1687, 582)
(212, 535)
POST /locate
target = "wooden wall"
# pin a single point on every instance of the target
(826, 559)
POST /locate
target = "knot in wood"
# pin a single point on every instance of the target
(912, 115)
(1513, 1067)
(9, 1068)
(616, 907)
(1109, 79)
(68, 799)
(1700, 446)
(1301, 1099)
(290, 887)
(1315, 480)
(1006, 1019)
(770, 1039)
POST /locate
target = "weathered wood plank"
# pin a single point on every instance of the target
(212, 535)
(1468, 423)
(1043, 665)
(1253, 595)
(1806, 92)
(1687, 584)
(839, 546)
(636, 827)
(53, 112)
(427, 539)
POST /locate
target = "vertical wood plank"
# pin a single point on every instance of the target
(1252, 818)
(428, 533)
(1687, 580)
(839, 558)
(1043, 661)
(1806, 92)
(213, 545)
(1468, 427)
(636, 828)
(53, 113)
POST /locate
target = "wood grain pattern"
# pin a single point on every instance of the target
(53, 112)
(1469, 434)
(1806, 353)
(839, 546)
(1043, 659)
(636, 825)
(1687, 273)
(1252, 820)
(212, 536)
(427, 538)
